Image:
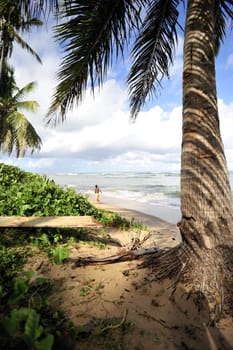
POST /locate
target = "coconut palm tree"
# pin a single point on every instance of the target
(92, 35)
(16, 132)
(16, 17)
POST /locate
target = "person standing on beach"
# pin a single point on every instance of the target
(97, 193)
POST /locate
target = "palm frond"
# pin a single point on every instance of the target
(24, 134)
(14, 21)
(92, 33)
(37, 8)
(7, 145)
(30, 106)
(34, 141)
(24, 91)
(220, 26)
(25, 46)
(227, 9)
(153, 52)
(227, 6)
(7, 81)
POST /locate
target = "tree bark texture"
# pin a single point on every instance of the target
(206, 202)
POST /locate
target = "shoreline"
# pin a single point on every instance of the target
(165, 213)
(164, 233)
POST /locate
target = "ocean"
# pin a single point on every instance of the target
(156, 194)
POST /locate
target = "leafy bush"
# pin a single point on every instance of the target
(27, 322)
(27, 194)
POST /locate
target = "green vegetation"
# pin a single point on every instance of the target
(24, 324)
(27, 319)
(27, 194)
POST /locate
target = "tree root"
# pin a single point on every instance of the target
(206, 274)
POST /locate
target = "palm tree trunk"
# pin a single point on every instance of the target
(206, 202)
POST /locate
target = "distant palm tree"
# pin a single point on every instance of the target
(16, 132)
(92, 33)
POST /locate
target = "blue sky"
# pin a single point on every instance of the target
(99, 136)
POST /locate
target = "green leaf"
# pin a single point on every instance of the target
(46, 343)
(20, 289)
(29, 274)
(44, 238)
(33, 330)
(11, 323)
(60, 254)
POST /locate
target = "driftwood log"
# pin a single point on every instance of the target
(120, 256)
(133, 251)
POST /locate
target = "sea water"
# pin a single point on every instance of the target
(156, 194)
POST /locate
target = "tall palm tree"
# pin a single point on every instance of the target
(92, 33)
(16, 132)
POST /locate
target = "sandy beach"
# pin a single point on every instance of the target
(164, 213)
(120, 306)
(150, 220)
(163, 233)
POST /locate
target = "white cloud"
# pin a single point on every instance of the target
(109, 130)
(41, 164)
(99, 135)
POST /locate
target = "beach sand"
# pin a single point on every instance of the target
(163, 233)
(165, 212)
(117, 306)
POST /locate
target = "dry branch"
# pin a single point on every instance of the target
(120, 256)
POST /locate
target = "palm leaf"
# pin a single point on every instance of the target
(12, 22)
(37, 8)
(93, 33)
(153, 52)
(223, 10)
(24, 91)
(30, 106)
(25, 136)
(24, 45)
(227, 7)
(220, 25)
(7, 145)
